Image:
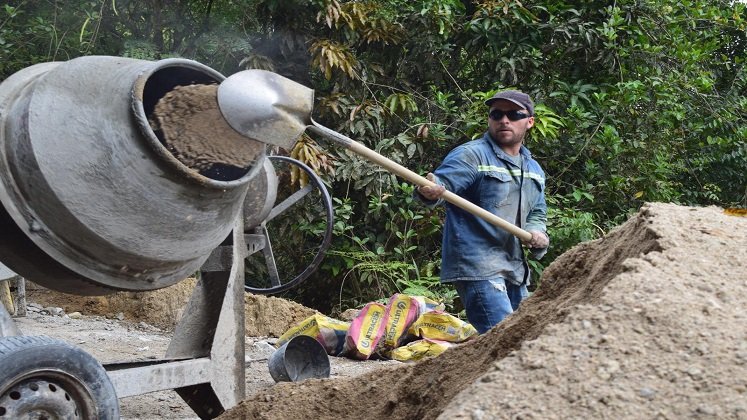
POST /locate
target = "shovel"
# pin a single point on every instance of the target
(266, 106)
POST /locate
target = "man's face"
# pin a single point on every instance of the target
(505, 132)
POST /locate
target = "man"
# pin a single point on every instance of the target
(496, 172)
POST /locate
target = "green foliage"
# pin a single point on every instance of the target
(400, 102)
(547, 124)
(214, 33)
(31, 33)
(379, 250)
(142, 50)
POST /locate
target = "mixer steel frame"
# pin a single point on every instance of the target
(204, 362)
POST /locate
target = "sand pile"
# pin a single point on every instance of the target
(161, 308)
(647, 322)
(269, 316)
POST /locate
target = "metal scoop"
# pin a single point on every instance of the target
(271, 108)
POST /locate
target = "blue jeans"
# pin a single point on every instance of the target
(487, 302)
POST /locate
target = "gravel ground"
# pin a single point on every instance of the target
(120, 340)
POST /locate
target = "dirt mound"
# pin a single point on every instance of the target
(161, 308)
(272, 316)
(645, 322)
(265, 315)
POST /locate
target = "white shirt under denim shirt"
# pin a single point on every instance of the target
(482, 173)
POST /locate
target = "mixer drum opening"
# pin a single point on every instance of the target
(181, 107)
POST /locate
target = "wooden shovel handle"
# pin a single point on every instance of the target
(411, 176)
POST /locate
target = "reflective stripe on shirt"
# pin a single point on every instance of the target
(514, 172)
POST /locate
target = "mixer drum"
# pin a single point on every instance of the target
(91, 200)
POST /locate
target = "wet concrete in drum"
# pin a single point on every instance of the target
(193, 129)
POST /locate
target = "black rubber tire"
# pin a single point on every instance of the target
(42, 375)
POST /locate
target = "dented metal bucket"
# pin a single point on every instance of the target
(90, 199)
(300, 358)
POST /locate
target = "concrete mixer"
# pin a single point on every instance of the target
(92, 201)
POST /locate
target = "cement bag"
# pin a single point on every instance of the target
(329, 332)
(401, 312)
(365, 331)
(427, 305)
(420, 350)
(438, 325)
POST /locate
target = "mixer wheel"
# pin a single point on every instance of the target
(42, 377)
(297, 232)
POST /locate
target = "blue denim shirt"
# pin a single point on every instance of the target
(473, 249)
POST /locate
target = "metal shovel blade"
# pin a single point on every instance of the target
(266, 106)
(273, 109)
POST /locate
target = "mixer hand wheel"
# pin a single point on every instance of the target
(297, 232)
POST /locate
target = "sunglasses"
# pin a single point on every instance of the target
(512, 115)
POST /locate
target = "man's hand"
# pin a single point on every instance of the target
(431, 193)
(539, 240)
